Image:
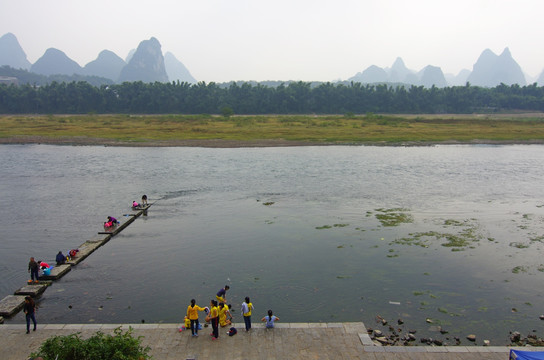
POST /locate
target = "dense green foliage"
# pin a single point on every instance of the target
(293, 98)
(121, 346)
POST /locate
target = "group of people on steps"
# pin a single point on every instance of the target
(217, 313)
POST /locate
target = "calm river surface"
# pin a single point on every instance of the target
(301, 230)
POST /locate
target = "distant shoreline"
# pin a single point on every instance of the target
(224, 143)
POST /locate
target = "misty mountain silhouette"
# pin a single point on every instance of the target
(400, 74)
(107, 65)
(12, 54)
(55, 62)
(492, 70)
(148, 64)
(176, 70)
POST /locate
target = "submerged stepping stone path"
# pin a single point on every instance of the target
(11, 304)
(33, 290)
(57, 272)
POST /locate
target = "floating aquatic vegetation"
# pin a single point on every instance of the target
(394, 217)
(540, 268)
(268, 203)
(323, 227)
(340, 225)
(458, 242)
(519, 245)
(537, 238)
(343, 277)
(519, 269)
(451, 222)
(427, 292)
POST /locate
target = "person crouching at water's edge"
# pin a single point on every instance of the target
(222, 294)
(270, 319)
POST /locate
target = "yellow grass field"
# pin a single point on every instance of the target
(179, 130)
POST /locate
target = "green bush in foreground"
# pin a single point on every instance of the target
(121, 346)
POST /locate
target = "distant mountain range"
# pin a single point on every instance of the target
(490, 70)
(147, 64)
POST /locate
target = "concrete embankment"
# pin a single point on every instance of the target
(286, 341)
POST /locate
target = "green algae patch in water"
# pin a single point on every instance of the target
(394, 217)
(519, 269)
(457, 241)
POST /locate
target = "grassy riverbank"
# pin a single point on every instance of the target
(270, 130)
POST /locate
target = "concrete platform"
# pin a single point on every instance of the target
(57, 272)
(33, 290)
(11, 304)
(87, 248)
(287, 341)
(117, 229)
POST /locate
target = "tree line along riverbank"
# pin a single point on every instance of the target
(247, 98)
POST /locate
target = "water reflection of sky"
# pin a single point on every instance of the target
(316, 252)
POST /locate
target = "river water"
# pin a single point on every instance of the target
(301, 230)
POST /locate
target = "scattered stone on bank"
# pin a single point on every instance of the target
(541, 317)
(1, 320)
(515, 337)
(471, 337)
(530, 340)
(400, 321)
(487, 342)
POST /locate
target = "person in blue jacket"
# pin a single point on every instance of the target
(61, 259)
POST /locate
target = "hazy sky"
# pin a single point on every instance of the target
(222, 40)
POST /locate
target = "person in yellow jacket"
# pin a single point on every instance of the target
(192, 314)
(223, 312)
(247, 306)
(214, 317)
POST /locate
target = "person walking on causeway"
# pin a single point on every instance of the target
(192, 314)
(30, 309)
